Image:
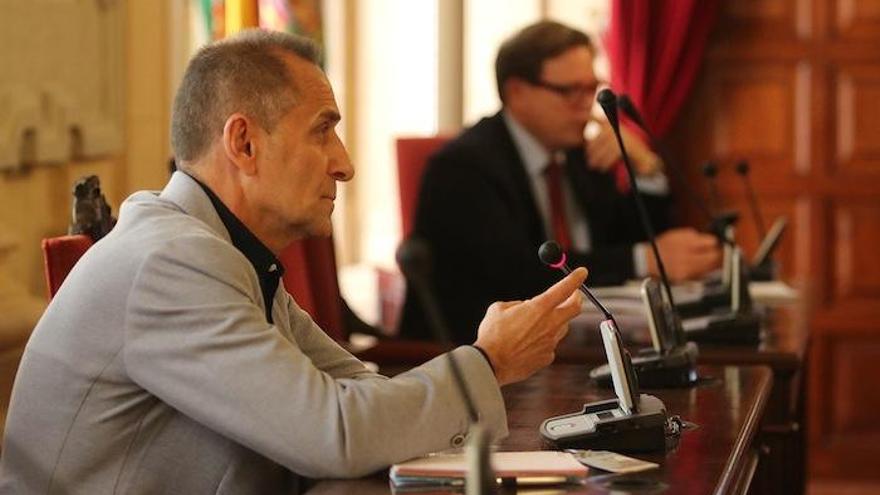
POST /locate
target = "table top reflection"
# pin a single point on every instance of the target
(726, 409)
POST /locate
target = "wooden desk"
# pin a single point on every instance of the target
(784, 348)
(719, 456)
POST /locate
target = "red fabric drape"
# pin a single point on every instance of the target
(655, 48)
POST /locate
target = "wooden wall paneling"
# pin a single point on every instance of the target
(794, 87)
(767, 18)
(856, 90)
(856, 19)
(843, 434)
(853, 358)
(856, 235)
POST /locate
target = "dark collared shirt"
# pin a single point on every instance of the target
(267, 266)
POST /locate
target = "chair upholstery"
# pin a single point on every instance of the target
(412, 156)
(311, 277)
(59, 256)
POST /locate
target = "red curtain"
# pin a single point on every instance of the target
(655, 48)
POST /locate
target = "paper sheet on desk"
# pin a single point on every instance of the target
(536, 464)
(628, 313)
(771, 293)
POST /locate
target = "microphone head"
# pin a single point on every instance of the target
(414, 258)
(625, 104)
(710, 169)
(608, 101)
(742, 167)
(551, 254)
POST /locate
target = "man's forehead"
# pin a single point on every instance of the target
(578, 60)
(312, 87)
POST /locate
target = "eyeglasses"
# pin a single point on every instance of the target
(573, 93)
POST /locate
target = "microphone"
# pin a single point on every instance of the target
(553, 256)
(608, 100)
(630, 110)
(742, 168)
(632, 422)
(414, 258)
(710, 171)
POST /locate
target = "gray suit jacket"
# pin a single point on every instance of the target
(154, 371)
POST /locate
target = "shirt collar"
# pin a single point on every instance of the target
(264, 261)
(534, 155)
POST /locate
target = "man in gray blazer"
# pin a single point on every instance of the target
(172, 361)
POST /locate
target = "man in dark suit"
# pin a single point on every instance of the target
(491, 196)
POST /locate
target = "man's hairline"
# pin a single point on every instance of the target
(590, 48)
(287, 57)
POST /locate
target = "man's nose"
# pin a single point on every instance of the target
(341, 167)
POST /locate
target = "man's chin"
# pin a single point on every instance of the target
(321, 229)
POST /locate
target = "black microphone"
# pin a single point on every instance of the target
(553, 256)
(630, 110)
(608, 100)
(742, 168)
(414, 258)
(710, 171)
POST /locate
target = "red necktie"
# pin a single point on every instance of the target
(559, 223)
(621, 178)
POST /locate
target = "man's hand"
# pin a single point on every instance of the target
(520, 337)
(603, 151)
(687, 254)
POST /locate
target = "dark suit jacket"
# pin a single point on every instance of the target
(477, 211)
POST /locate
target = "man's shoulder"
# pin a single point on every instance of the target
(149, 225)
(482, 136)
(484, 146)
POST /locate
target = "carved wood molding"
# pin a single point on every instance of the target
(61, 94)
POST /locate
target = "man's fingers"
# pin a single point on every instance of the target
(563, 313)
(705, 241)
(507, 304)
(559, 292)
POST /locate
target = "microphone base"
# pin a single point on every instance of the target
(765, 272)
(604, 425)
(675, 368)
(714, 296)
(728, 328)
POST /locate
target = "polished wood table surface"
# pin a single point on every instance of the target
(784, 348)
(716, 456)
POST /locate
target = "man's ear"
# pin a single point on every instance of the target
(513, 89)
(239, 143)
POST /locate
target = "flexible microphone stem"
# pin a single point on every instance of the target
(710, 170)
(608, 100)
(629, 108)
(742, 168)
(625, 104)
(553, 256)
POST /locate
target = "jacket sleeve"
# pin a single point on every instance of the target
(196, 339)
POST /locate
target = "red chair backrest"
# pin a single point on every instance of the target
(310, 275)
(59, 256)
(412, 156)
(311, 278)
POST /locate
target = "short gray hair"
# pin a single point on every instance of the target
(244, 73)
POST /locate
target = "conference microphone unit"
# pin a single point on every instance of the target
(715, 293)
(763, 266)
(736, 324)
(414, 258)
(632, 422)
(672, 361)
(718, 221)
